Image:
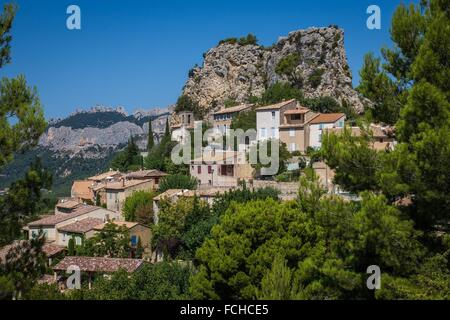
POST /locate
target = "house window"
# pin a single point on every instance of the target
(134, 240)
(78, 241)
(321, 126)
(273, 115)
(293, 146)
(296, 117)
(320, 137)
(291, 132)
(199, 169)
(272, 132)
(209, 169)
(263, 132)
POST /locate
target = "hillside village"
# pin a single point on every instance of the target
(99, 200)
(361, 180)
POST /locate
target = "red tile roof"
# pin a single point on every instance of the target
(81, 226)
(58, 218)
(141, 174)
(50, 249)
(98, 264)
(239, 108)
(81, 189)
(121, 185)
(327, 118)
(300, 110)
(276, 105)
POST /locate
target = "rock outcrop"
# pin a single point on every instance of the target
(79, 132)
(236, 72)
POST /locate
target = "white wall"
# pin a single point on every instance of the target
(315, 132)
(265, 120)
(53, 234)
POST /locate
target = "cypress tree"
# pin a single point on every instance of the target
(150, 142)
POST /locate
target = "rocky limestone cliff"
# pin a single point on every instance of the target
(80, 132)
(234, 71)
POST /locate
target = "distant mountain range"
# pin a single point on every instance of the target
(84, 143)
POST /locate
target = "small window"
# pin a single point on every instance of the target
(273, 132)
(321, 126)
(199, 169)
(293, 146)
(296, 117)
(263, 132)
(291, 132)
(273, 114)
(209, 169)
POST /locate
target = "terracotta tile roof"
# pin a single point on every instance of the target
(51, 249)
(81, 226)
(98, 186)
(298, 110)
(120, 185)
(145, 174)
(71, 204)
(61, 217)
(239, 108)
(103, 176)
(98, 264)
(81, 189)
(127, 224)
(276, 105)
(327, 118)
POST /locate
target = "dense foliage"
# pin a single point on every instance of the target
(17, 101)
(418, 168)
(161, 281)
(177, 181)
(287, 66)
(128, 159)
(24, 200)
(22, 266)
(112, 241)
(139, 207)
(321, 247)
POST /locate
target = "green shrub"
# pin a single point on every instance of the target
(177, 181)
(315, 78)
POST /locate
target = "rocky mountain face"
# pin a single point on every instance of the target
(102, 127)
(84, 143)
(234, 71)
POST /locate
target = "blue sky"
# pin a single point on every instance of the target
(137, 53)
